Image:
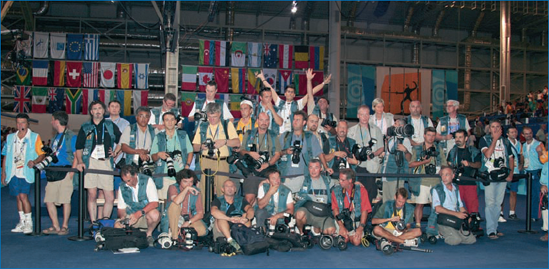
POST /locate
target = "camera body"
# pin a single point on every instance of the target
(49, 159)
(221, 246)
(430, 169)
(327, 241)
(386, 246)
(210, 145)
(288, 224)
(430, 152)
(190, 236)
(342, 163)
(165, 240)
(327, 122)
(237, 160)
(400, 225)
(296, 151)
(362, 153)
(200, 115)
(345, 217)
(401, 131)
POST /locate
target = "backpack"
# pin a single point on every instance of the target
(285, 242)
(96, 227)
(251, 240)
(116, 238)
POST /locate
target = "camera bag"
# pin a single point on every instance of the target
(117, 238)
(52, 176)
(449, 220)
(318, 209)
(250, 239)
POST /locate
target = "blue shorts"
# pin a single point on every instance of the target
(19, 186)
(513, 186)
(117, 181)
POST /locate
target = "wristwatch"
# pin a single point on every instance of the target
(363, 225)
(143, 213)
(190, 222)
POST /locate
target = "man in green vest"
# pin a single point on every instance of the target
(200, 104)
(274, 199)
(169, 104)
(137, 140)
(449, 124)
(420, 122)
(138, 201)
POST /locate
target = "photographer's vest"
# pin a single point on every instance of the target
(199, 104)
(304, 191)
(432, 226)
(390, 164)
(349, 142)
(253, 135)
(488, 139)
(444, 121)
(273, 125)
(204, 128)
(164, 221)
(142, 199)
(325, 142)
(88, 129)
(283, 193)
(340, 199)
(408, 211)
(283, 165)
(453, 160)
(157, 112)
(415, 183)
(30, 154)
(329, 116)
(424, 119)
(162, 144)
(237, 205)
(293, 108)
(133, 139)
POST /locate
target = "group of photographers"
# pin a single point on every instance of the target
(311, 167)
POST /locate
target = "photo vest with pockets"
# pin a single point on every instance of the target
(70, 153)
(415, 183)
(164, 221)
(133, 142)
(29, 155)
(325, 142)
(432, 226)
(237, 205)
(158, 111)
(162, 144)
(293, 108)
(408, 211)
(340, 199)
(204, 128)
(452, 155)
(251, 136)
(199, 104)
(488, 139)
(424, 119)
(273, 125)
(329, 115)
(288, 136)
(349, 142)
(88, 128)
(283, 193)
(142, 199)
(303, 192)
(445, 121)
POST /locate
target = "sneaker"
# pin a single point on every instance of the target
(235, 245)
(543, 238)
(150, 240)
(513, 217)
(501, 218)
(411, 242)
(27, 228)
(19, 227)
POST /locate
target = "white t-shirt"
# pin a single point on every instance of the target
(286, 112)
(261, 194)
(152, 194)
(19, 153)
(419, 129)
(142, 139)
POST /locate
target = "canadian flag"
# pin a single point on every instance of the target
(205, 74)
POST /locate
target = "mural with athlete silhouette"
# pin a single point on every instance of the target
(400, 86)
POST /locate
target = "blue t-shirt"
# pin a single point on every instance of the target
(61, 153)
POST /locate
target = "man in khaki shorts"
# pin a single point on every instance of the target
(59, 188)
(95, 150)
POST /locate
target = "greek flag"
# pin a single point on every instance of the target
(91, 47)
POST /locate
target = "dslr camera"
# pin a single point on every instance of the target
(401, 132)
(327, 122)
(170, 162)
(345, 217)
(296, 147)
(327, 241)
(210, 145)
(430, 152)
(288, 224)
(190, 236)
(50, 158)
(200, 115)
(362, 153)
(237, 160)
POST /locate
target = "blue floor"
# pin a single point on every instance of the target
(513, 250)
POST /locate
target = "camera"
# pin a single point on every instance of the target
(327, 122)
(362, 153)
(200, 115)
(400, 225)
(171, 167)
(165, 240)
(221, 246)
(430, 152)
(146, 168)
(342, 164)
(499, 163)
(327, 241)
(402, 131)
(269, 229)
(386, 247)
(190, 236)
(430, 169)
(296, 147)
(306, 237)
(345, 217)
(263, 158)
(50, 158)
(236, 159)
(210, 145)
(340, 243)
(287, 225)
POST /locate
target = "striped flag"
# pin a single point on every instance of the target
(88, 95)
(238, 79)
(234, 106)
(206, 52)
(205, 74)
(39, 97)
(254, 54)
(125, 99)
(104, 95)
(284, 78)
(221, 53)
(59, 73)
(222, 79)
(41, 44)
(90, 73)
(187, 102)
(22, 98)
(91, 47)
(316, 58)
(74, 101)
(300, 81)
(253, 83)
(301, 57)
(140, 98)
(124, 74)
(40, 72)
(188, 78)
(107, 75)
(285, 53)
(57, 45)
(141, 76)
(238, 54)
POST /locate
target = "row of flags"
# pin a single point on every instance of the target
(76, 100)
(85, 74)
(243, 80)
(66, 46)
(216, 53)
(232, 101)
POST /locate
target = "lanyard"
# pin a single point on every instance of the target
(214, 137)
(22, 146)
(362, 137)
(102, 135)
(265, 141)
(145, 138)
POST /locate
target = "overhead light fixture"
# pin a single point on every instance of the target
(294, 6)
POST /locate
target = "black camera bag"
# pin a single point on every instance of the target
(117, 238)
(52, 176)
(318, 209)
(250, 239)
(449, 220)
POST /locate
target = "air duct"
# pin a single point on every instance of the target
(467, 78)
(229, 21)
(408, 19)
(477, 24)
(352, 14)
(43, 9)
(438, 22)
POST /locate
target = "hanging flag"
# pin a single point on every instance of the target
(234, 106)
(188, 78)
(254, 54)
(22, 98)
(57, 45)
(270, 76)
(124, 74)
(74, 46)
(90, 74)
(74, 72)
(107, 75)
(238, 79)
(301, 57)
(316, 58)
(238, 53)
(221, 53)
(141, 76)
(140, 98)
(23, 74)
(41, 44)
(285, 53)
(40, 72)
(24, 47)
(56, 98)
(300, 81)
(206, 52)
(317, 79)
(205, 74)
(91, 47)
(222, 79)
(59, 73)
(270, 55)
(125, 99)
(285, 79)
(88, 95)
(187, 103)
(39, 97)
(104, 95)
(74, 101)
(254, 84)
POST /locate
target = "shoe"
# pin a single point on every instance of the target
(513, 217)
(236, 246)
(534, 219)
(19, 227)
(27, 228)
(150, 240)
(543, 238)
(493, 236)
(411, 242)
(63, 231)
(501, 218)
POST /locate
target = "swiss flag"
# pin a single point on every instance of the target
(74, 72)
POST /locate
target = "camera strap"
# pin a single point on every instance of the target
(350, 198)
(60, 141)
(395, 212)
(369, 133)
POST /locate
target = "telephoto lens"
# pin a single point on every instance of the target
(171, 168)
(326, 242)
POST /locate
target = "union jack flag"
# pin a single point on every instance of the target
(22, 98)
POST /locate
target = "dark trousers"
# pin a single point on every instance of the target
(368, 182)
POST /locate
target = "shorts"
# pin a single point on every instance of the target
(59, 192)
(99, 181)
(320, 222)
(251, 186)
(424, 196)
(513, 186)
(163, 193)
(217, 233)
(19, 186)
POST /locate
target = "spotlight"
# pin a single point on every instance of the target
(294, 6)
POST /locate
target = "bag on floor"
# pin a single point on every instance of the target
(449, 220)
(251, 240)
(99, 224)
(117, 238)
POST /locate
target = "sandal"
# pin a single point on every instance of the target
(499, 234)
(50, 230)
(493, 236)
(63, 231)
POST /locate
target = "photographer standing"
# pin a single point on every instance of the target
(516, 146)
(169, 104)
(427, 159)
(321, 111)
(137, 140)
(213, 138)
(273, 200)
(341, 155)
(172, 152)
(350, 206)
(420, 122)
(543, 158)
(259, 142)
(450, 124)
(246, 122)
(398, 153)
(266, 105)
(312, 126)
(60, 184)
(532, 166)
(200, 104)
(498, 162)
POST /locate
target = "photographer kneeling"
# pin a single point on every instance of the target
(274, 199)
(448, 205)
